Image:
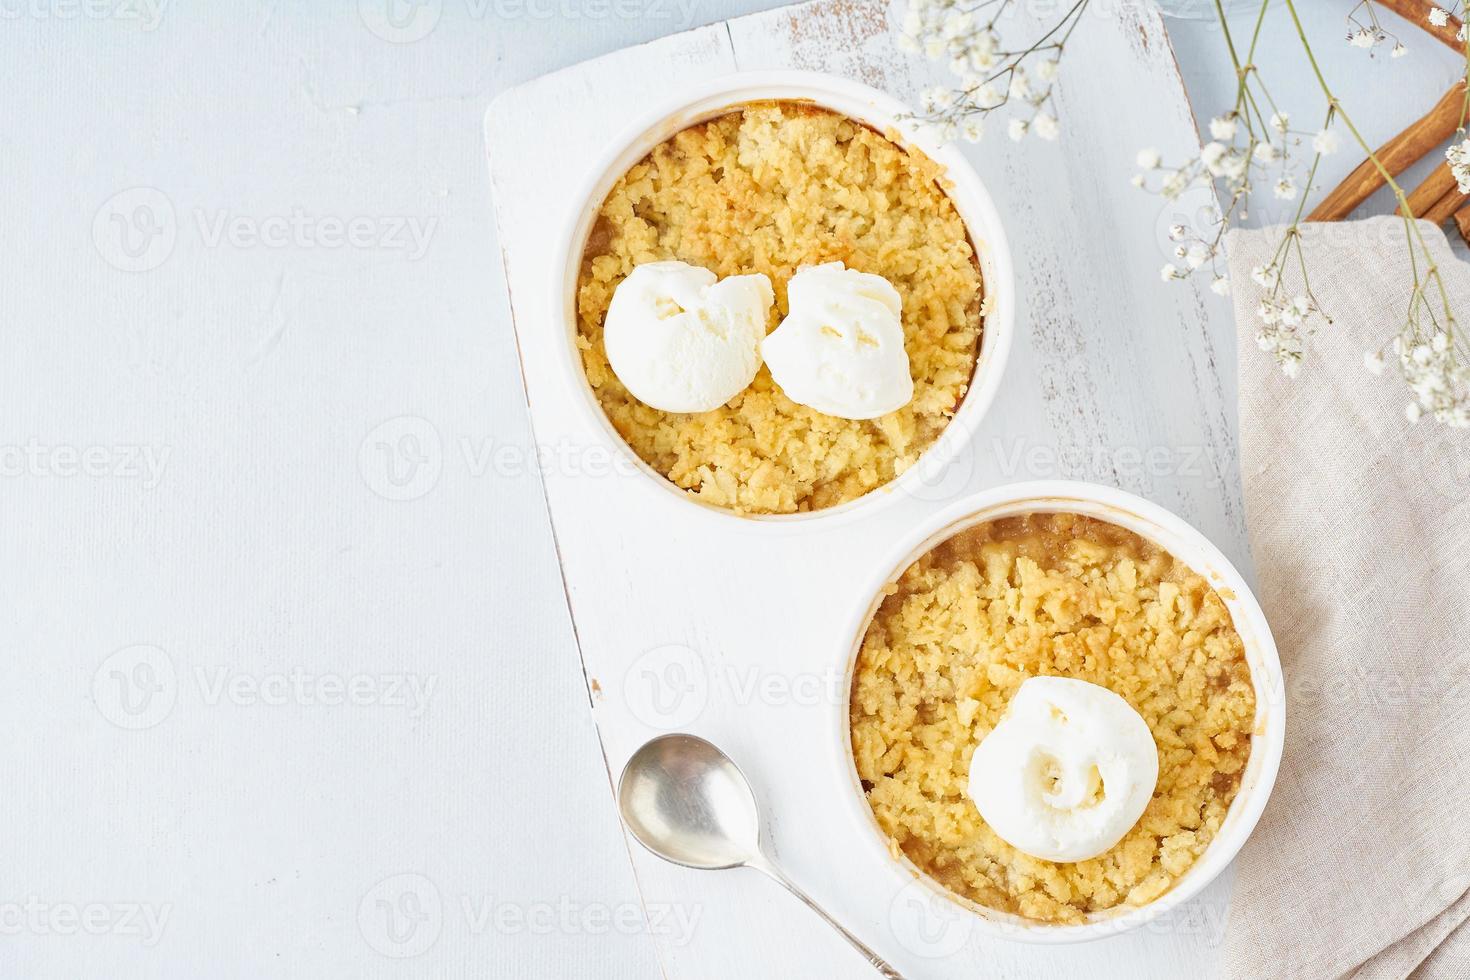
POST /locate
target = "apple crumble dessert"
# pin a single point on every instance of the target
(1048, 595)
(768, 189)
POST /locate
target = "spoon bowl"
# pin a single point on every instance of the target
(688, 803)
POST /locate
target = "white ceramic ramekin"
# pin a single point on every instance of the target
(717, 96)
(1185, 543)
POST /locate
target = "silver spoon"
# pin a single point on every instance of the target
(688, 803)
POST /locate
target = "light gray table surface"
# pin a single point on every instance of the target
(225, 633)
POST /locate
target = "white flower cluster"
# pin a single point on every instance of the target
(1194, 251)
(1237, 157)
(1458, 156)
(1285, 321)
(990, 76)
(1371, 34)
(1440, 16)
(1441, 386)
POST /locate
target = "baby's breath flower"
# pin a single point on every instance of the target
(1174, 184)
(1458, 156)
(957, 25)
(1222, 127)
(1264, 153)
(1325, 142)
(1020, 85)
(1176, 232)
(1398, 50)
(1263, 276)
(1285, 189)
(990, 71)
(1016, 129)
(1149, 159)
(1136, 180)
(1211, 156)
(1373, 362)
(1196, 255)
(1438, 16)
(1280, 122)
(1170, 272)
(1362, 38)
(1413, 412)
(1460, 34)
(1220, 286)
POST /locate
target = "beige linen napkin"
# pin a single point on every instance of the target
(1360, 531)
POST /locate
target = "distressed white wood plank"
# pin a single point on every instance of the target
(1115, 377)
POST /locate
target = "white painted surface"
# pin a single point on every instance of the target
(698, 622)
(259, 373)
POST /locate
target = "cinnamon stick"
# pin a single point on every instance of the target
(1397, 155)
(1439, 183)
(1462, 222)
(1445, 207)
(1416, 12)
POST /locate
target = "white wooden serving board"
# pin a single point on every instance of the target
(693, 622)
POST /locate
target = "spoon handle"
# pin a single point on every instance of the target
(768, 867)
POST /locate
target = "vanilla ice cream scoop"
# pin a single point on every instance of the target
(683, 341)
(840, 348)
(1067, 771)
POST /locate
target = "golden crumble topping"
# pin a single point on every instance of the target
(1048, 595)
(770, 188)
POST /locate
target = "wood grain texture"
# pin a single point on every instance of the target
(1441, 211)
(1431, 189)
(1115, 377)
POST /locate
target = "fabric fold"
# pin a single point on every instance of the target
(1360, 531)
